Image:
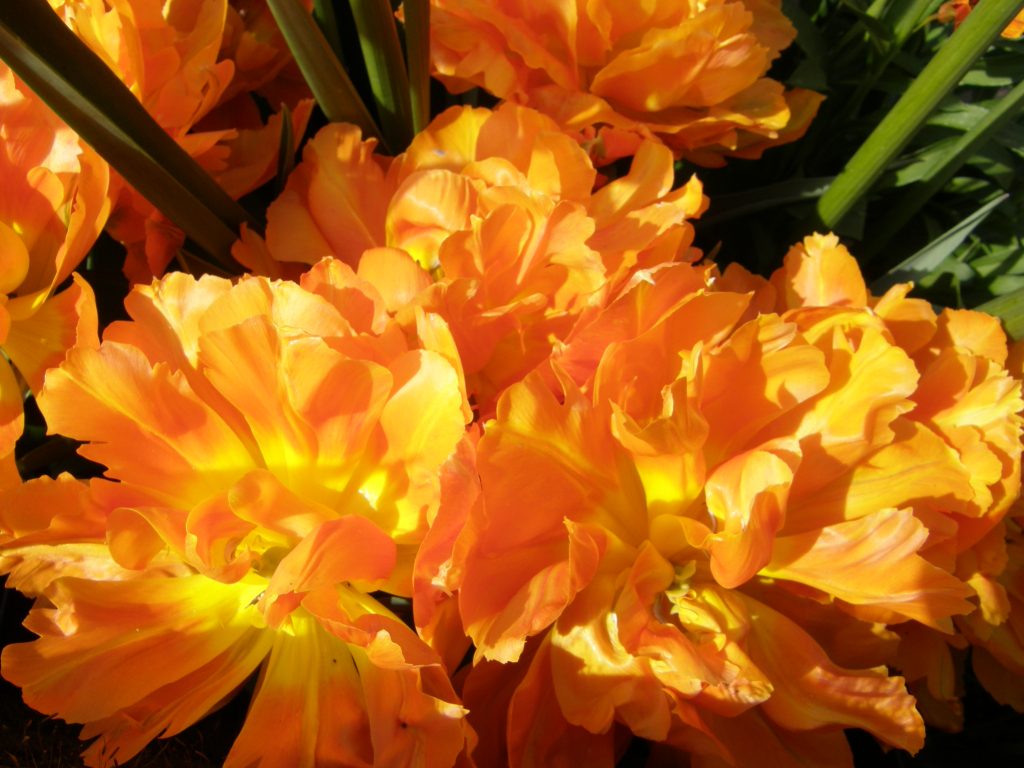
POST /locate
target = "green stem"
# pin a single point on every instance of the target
(941, 74)
(385, 66)
(327, 20)
(86, 95)
(968, 144)
(326, 77)
(417, 45)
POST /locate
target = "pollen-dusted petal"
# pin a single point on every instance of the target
(596, 678)
(144, 422)
(412, 711)
(810, 691)
(873, 561)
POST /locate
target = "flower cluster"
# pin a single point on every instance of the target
(691, 74)
(483, 462)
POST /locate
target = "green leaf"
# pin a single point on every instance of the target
(740, 204)
(417, 48)
(323, 72)
(285, 149)
(385, 66)
(897, 128)
(878, 31)
(931, 257)
(903, 16)
(942, 168)
(327, 20)
(82, 90)
(996, 71)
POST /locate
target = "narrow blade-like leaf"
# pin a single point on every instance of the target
(942, 171)
(80, 88)
(328, 80)
(941, 74)
(417, 47)
(740, 204)
(385, 66)
(938, 250)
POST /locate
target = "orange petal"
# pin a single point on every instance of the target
(538, 732)
(746, 497)
(820, 272)
(873, 561)
(810, 691)
(144, 423)
(12, 422)
(40, 341)
(399, 279)
(108, 646)
(347, 549)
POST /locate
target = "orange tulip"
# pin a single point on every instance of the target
(274, 455)
(957, 453)
(169, 56)
(53, 205)
(691, 75)
(705, 520)
(735, 516)
(490, 220)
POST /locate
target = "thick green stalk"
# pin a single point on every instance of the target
(385, 66)
(82, 90)
(326, 77)
(327, 20)
(941, 74)
(905, 15)
(417, 48)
